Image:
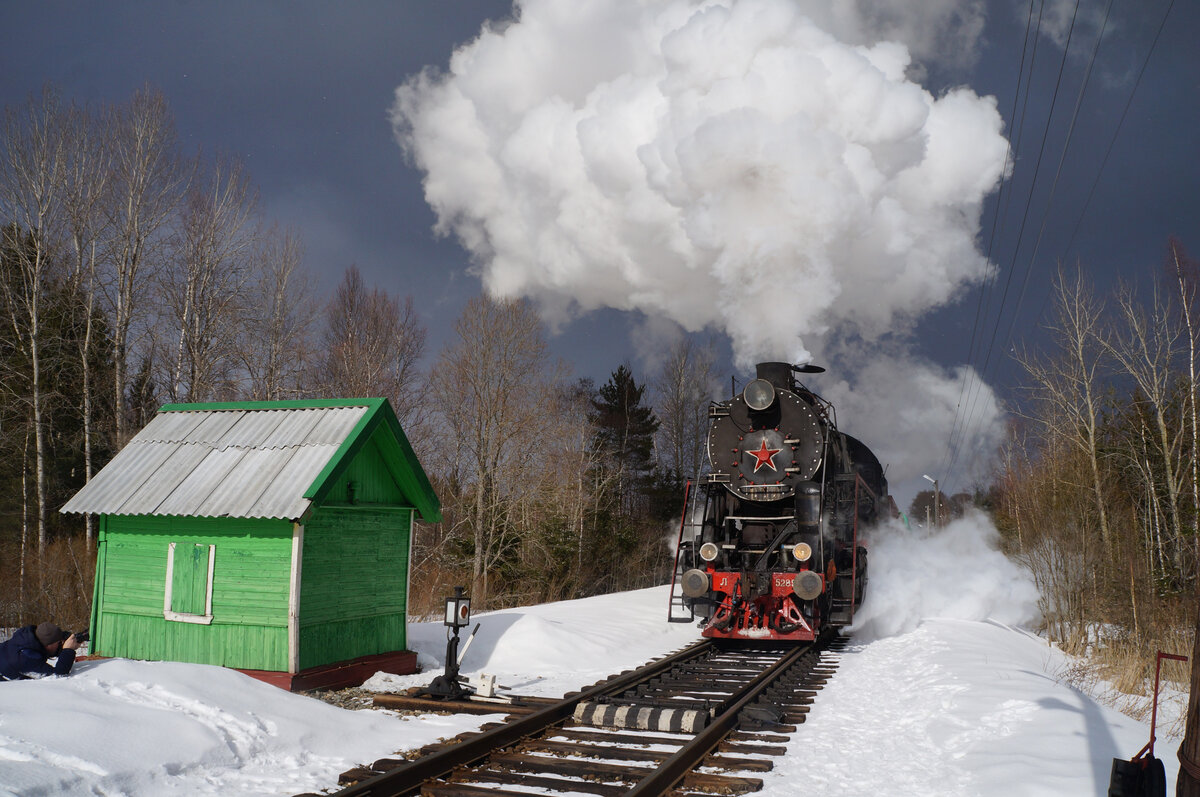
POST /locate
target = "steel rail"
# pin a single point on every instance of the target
(409, 776)
(688, 757)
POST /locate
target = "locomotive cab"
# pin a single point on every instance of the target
(776, 554)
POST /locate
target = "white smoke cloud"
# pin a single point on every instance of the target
(906, 409)
(955, 572)
(764, 167)
(945, 31)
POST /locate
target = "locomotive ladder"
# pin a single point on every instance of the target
(845, 585)
(678, 611)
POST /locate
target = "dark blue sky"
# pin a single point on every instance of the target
(1146, 192)
(301, 90)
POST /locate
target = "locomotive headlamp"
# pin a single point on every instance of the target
(759, 394)
(709, 551)
(802, 552)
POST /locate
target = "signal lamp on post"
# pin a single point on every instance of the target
(448, 685)
(458, 610)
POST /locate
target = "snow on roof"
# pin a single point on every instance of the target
(224, 462)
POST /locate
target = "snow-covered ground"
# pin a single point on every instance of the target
(932, 698)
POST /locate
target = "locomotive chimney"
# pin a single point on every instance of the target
(778, 374)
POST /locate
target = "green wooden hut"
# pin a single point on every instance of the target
(272, 537)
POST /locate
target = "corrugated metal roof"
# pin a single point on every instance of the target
(252, 463)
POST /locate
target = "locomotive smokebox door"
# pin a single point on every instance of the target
(764, 454)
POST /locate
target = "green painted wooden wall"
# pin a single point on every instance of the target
(355, 569)
(371, 480)
(354, 583)
(251, 582)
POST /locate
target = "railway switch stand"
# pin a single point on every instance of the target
(448, 685)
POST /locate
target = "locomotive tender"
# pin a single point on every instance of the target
(775, 550)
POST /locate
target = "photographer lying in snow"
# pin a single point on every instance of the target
(25, 654)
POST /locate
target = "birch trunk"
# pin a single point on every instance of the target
(1185, 300)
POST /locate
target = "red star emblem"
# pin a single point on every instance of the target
(764, 456)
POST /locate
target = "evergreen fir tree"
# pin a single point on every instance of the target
(625, 432)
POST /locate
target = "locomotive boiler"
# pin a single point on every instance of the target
(771, 546)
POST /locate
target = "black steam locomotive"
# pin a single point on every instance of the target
(770, 548)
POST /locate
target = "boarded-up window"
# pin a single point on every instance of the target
(189, 581)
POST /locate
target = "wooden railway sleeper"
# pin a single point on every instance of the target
(573, 767)
(597, 751)
(533, 781)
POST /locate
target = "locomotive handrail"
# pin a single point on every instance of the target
(688, 510)
(858, 481)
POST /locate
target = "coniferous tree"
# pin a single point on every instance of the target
(625, 433)
(142, 400)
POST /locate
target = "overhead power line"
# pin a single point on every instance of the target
(966, 418)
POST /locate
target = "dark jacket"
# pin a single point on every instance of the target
(23, 656)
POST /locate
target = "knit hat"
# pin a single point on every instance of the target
(49, 633)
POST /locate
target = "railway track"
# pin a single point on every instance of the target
(705, 719)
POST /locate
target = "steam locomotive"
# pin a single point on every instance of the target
(771, 548)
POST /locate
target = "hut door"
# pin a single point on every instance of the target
(189, 580)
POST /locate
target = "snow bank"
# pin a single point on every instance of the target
(961, 708)
(941, 707)
(119, 727)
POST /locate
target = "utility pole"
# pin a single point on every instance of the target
(937, 514)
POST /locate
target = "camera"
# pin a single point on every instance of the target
(81, 636)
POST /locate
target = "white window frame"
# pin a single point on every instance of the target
(179, 617)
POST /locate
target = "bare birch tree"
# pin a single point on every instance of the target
(1146, 347)
(147, 182)
(580, 486)
(275, 345)
(86, 183)
(1185, 272)
(33, 165)
(1068, 385)
(683, 391)
(210, 266)
(492, 385)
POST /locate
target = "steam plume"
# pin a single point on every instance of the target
(729, 163)
(766, 168)
(957, 571)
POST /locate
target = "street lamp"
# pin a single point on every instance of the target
(937, 518)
